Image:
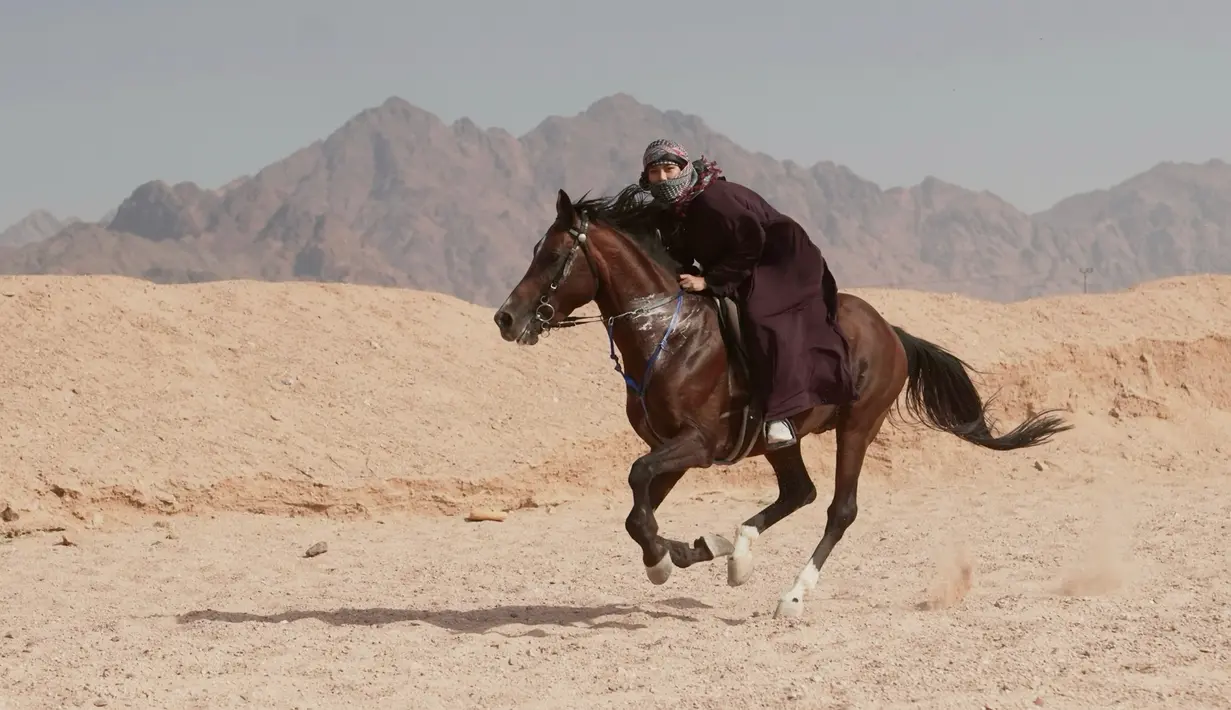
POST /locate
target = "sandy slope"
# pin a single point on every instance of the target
(1098, 566)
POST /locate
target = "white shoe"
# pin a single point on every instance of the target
(778, 433)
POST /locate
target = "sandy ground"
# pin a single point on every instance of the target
(191, 442)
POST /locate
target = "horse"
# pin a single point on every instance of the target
(701, 410)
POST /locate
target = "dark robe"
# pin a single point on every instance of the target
(789, 300)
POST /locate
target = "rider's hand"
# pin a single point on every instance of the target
(688, 282)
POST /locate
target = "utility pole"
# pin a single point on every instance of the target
(1085, 274)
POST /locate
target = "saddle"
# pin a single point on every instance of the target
(739, 367)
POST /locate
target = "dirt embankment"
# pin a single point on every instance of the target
(296, 398)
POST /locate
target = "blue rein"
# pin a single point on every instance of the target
(641, 389)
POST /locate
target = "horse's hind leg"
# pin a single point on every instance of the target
(795, 490)
(854, 436)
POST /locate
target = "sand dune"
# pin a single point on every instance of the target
(120, 398)
(278, 397)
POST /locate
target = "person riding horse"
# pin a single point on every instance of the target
(748, 250)
(765, 261)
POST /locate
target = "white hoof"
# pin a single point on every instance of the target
(789, 608)
(718, 545)
(739, 565)
(739, 569)
(661, 572)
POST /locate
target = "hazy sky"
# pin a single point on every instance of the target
(1032, 99)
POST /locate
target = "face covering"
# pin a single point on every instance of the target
(669, 191)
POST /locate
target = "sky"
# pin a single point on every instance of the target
(1033, 100)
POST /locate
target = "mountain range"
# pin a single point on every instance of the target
(395, 196)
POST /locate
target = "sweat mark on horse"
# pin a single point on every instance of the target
(687, 404)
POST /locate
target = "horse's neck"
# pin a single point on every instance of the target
(641, 298)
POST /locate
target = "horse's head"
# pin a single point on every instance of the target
(562, 277)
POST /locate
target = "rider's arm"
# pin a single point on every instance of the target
(677, 252)
(746, 239)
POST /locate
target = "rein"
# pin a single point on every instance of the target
(544, 312)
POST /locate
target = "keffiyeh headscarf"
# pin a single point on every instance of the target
(678, 191)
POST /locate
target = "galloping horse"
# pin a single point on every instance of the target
(693, 406)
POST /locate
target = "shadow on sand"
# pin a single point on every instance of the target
(474, 621)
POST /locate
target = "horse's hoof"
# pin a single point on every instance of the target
(789, 608)
(718, 545)
(661, 572)
(739, 569)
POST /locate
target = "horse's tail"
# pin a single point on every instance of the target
(940, 394)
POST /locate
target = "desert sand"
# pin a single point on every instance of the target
(170, 453)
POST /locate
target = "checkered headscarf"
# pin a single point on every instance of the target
(678, 191)
(664, 151)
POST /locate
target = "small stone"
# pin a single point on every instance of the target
(100, 703)
(65, 491)
(65, 541)
(319, 548)
(8, 515)
(1040, 466)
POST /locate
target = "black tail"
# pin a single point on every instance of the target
(940, 394)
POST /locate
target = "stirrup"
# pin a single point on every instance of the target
(774, 445)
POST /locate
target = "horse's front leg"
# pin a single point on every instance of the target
(650, 478)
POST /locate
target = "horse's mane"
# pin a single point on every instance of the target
(638, 218)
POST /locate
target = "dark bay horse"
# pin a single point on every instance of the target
(690, 404)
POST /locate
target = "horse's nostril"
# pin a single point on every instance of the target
(503, 320)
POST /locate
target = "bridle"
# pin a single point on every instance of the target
(545, 311)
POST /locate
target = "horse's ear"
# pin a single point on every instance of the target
(564, 208)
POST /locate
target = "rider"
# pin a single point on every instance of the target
(765, 261)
